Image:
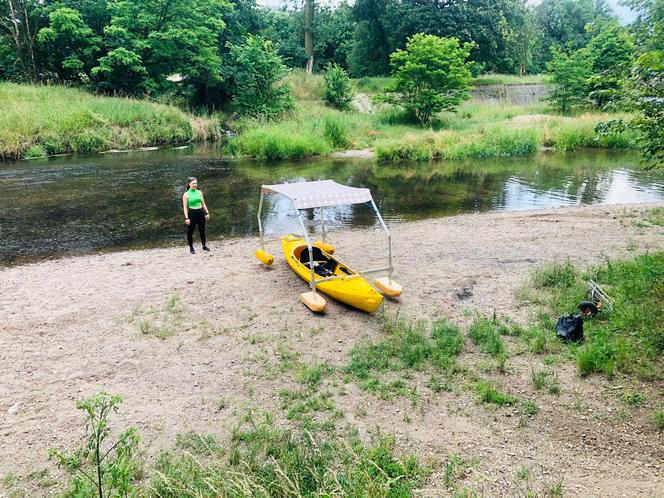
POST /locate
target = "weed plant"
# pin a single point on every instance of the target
(487, 392)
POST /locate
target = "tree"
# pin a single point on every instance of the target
(522, 38)
(171, 37)
(569, 77)
(369, 53)
(21, 20)
(611, 52)
(257, 72)
(122, 71)
(338, 91)
(309, 34)
(563, 23)
(70, 44)
(431, 75)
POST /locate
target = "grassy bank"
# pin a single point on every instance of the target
(475, 131)
(43, 120)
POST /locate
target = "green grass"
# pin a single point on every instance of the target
(406, 346)
(199, 444)
(488, 393)
(265, 461)
(485, 334)
(658, 420)
(510, 79)
(630, 339)
(46, 120)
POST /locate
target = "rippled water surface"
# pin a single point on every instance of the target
(76, 205)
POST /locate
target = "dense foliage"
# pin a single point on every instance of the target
(338, 92)
(430, 75)
(188, 51)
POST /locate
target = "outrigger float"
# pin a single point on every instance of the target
(314, 261)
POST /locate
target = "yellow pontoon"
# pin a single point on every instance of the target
(314, 262)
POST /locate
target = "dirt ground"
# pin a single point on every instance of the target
(72, 327)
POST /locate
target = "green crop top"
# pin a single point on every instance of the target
(194, 199)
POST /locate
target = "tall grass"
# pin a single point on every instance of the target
(267, 461)
(45, 120)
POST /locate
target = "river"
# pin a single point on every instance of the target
(77, 205)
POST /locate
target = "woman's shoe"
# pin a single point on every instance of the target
(205, 248)
(191, 250)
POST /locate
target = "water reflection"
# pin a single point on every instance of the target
(78, 205)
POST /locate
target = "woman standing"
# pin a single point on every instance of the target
(195, 213)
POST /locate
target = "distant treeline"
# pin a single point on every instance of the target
(183, 46)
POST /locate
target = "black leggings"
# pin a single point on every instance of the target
(196, 217)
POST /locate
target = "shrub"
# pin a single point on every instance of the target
(258, 70)
(338, 92)
(431, 75)
(99, 468)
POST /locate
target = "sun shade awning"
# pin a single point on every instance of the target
(320, 193)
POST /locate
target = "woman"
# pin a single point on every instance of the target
(195, 213)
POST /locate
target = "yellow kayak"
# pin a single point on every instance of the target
(352, 288)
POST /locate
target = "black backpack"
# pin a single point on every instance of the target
(569, 328)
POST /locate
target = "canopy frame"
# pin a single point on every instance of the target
(312, 283)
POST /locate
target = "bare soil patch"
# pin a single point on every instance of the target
(176, 334)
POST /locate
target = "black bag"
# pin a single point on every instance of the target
(569, 328)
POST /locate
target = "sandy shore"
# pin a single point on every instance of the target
(71, 328)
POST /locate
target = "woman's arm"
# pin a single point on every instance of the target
(207, 212)
(185, 208)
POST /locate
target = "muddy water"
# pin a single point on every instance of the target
(76, 205)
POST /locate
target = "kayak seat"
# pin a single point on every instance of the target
(318, 255)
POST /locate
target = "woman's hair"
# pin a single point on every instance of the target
(189, 180)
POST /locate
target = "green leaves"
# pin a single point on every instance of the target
(100, 468)
(338, 92)
(70, 44)
(430, 75)
(257, 71)
(569, 75)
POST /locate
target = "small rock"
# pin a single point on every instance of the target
(14, 408)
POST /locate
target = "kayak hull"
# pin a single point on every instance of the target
(351, 288)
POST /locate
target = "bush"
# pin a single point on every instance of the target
(338, 92)
(258, 70)
(430, 76)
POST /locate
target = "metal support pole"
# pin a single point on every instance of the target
(322, 222)
(311, 252)
(389, 241)
(260, 224)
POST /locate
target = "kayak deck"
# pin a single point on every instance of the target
(349, 287)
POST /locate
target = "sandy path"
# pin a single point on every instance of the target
(70, 329)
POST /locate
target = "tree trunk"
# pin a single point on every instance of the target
(22, 37)
(309, 34)
(29, 42)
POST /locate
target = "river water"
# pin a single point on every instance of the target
(78, 205)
